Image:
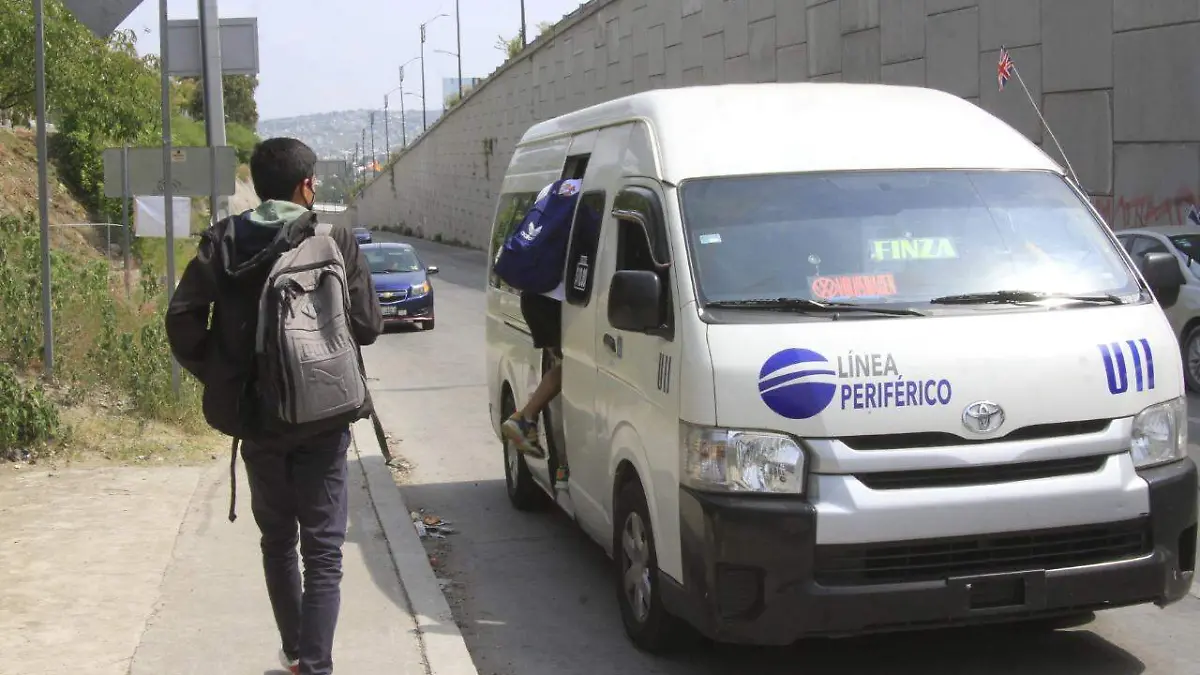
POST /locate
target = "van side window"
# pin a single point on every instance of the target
(585, 239)
(644, 248)
(512, 210)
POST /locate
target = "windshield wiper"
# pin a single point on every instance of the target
(806, 305)
(1022, 297)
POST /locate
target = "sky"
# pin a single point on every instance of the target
(325, 55)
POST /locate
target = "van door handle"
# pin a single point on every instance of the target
(613, 344)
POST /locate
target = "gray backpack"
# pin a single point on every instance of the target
(310, 373)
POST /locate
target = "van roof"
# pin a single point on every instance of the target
(742, 129)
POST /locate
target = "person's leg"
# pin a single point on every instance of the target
(319, 472)
(272, 500)
(547, 389)
(543, 315)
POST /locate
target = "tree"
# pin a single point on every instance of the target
(99, 92)
(240, 106)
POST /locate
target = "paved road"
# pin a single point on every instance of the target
(534, 597)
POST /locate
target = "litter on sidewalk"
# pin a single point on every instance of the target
(429, 525)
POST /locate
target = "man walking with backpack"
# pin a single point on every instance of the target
(290, 302)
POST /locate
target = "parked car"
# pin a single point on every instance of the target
(363, 235)
(402, 283)
(1184, 314)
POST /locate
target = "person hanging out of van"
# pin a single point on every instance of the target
(532, 260)
(543, 315)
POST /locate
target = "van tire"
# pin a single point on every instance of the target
(524, 494)
(654, 631)
(1191, 342)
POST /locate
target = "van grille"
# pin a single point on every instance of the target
(940, 439)
(981, 475)
(937, 559)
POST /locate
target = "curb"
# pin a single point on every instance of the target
(440, 639)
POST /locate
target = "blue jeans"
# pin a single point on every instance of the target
(299, 495)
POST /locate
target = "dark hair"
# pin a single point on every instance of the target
(278, 165)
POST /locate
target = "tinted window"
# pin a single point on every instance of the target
(906, 237)
(392, 260)
(585, 239)
(511, 212)
(1189, 245)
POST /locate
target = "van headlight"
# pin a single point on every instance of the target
(1160, 434)
(732, 460)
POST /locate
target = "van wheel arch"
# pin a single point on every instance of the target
(523, 492)
(656, 630)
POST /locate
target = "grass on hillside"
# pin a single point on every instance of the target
(111, 397)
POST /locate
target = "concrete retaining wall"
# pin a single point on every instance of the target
(1118, 81)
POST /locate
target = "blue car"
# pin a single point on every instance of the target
(363, 235)
(402, 282)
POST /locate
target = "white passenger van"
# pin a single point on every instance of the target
(842, 359)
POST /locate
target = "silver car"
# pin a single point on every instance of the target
(1184, 243)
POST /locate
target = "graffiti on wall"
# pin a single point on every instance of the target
(1126, 212)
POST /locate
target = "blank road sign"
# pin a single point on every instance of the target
(191, 171)
(239, 47)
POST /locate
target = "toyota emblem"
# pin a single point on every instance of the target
(983, 417)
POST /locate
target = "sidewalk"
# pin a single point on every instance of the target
(139, 571)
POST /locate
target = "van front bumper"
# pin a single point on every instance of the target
(754, 574)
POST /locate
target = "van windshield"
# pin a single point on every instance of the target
(904, 237)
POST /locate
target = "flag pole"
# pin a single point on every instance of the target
(1036, 109)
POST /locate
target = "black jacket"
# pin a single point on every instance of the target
(223, 284)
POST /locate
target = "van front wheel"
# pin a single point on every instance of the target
(636, 561)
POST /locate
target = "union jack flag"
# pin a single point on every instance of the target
(1004, 70)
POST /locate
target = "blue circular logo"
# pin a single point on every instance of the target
(797, 383)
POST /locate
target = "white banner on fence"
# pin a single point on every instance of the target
(150, 218)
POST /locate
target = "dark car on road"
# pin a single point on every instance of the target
(363, 235)
(402, 282)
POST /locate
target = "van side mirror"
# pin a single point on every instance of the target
(1162, 271)
(634, 301)
(1163, 275)
(432, 269)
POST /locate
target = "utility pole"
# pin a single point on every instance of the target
(214, 92)
(387, 137)
(524, 33)
(403, 124)
(458, 31)
(168, 181)
(373, 155)
(364, 147)
(39, 58)
(424, 115)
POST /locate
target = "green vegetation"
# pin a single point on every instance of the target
(112, 361)
(512, 46)
(106, 347)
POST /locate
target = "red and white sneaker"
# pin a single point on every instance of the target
(292, 665)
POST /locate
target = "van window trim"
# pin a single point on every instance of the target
(667, 330)
(567, 264)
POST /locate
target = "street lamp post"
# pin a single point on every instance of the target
(524, 34)
(424, 111)
(459, 57)
(458, 46)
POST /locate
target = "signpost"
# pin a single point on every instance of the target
(192, 171)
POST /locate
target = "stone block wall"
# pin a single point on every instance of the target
(1118, 82)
